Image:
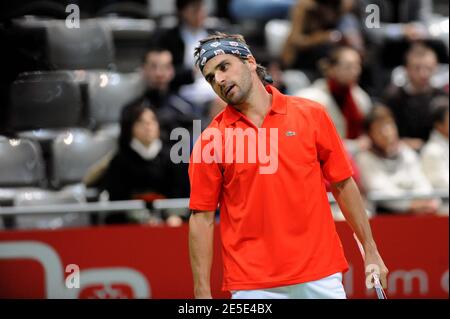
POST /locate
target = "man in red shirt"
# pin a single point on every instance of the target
(264, 161)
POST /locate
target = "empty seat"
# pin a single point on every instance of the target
(125, 9)
(109, 92)
(60, 93)
(74, 152)
(87, 47)
(21, 166)
(21, 163)
(22, 175)
(131, 38)
(41, 197)
(45, 102)
(56, 75)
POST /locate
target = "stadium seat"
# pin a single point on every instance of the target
(109, 130)
(74, 152)
(56, 75)
(44, 102)
(39, 197)
(125, 9)
(108, 93)
(87, 47)
(21, 163)
(131, 37)
(22, 178)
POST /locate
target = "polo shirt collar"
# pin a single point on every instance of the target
(231, 115)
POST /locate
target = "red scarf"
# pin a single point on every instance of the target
(344, 99)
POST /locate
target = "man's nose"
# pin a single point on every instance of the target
(220, 78)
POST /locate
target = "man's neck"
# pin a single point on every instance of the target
(258, 104)
(414, 90)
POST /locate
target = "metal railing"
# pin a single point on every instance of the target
(177, 203)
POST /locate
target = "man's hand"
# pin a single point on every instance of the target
(373, 264)
(350, 202)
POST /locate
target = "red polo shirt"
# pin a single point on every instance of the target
(277, 229)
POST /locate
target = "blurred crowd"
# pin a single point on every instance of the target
(86, 114)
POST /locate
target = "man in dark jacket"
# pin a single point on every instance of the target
(162, 92)
(411, 103)
(182, 39)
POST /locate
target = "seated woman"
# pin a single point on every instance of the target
(392, 169)
(142, 168)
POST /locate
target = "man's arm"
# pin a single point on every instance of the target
(350, 202)
(201, 240)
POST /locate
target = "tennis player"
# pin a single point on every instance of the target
(278, 234)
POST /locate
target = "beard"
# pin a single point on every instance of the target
(236, 96)
(238, 93)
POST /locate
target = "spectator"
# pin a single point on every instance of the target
(181, 41)
(404, 19)
(403, 22)
(435, 153)
(391, 168)
(162, 93)
(317, 26)
(410, 103)
(142, 168)
(340, 93)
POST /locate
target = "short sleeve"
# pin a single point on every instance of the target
(205, 181)
(333, 157)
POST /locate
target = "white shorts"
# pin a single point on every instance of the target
(326, 288)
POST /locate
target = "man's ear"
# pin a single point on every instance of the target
(252, 63)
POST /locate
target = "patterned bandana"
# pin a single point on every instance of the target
(213, 48)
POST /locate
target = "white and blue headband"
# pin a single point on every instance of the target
(212, 48)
